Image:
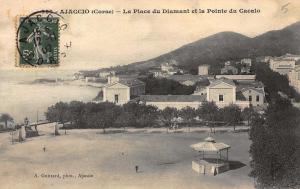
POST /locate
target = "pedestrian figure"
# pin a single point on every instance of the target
(136, 168)
(44, 148)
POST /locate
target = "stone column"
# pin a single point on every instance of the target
(22, 132)
(56, 129)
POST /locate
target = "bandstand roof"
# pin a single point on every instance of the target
(210, 145)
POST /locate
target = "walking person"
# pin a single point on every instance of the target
(136, 168)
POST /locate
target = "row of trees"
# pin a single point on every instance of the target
(105, 115)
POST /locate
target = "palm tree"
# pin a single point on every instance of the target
(6, 118)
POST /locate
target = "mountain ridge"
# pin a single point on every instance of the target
(227, 45)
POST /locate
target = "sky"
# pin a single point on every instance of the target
(117, 39)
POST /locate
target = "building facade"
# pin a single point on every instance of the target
(123, 91)
(105, 74)
(294, 78)
(222, 92)
(203, 69)
(282, 65)
(228, 69)
(256, 97)
(173, 101)
(246, 61)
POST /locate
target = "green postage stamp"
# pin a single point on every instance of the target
(38, 40)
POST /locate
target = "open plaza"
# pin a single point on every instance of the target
(90, 159)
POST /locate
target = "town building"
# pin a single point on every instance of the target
(229, 69)
(116, 78)
(294, 78)
(253, 92)
(246, 61)
(245, 69)
(282, 65)
(105, 74)
(203, 69)
(122, 91)
(221, 91)
(291, 56)
(249, 78)
(200, 90)
(170, 68)
(172, 101)
(263, 59)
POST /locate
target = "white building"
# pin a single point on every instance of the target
(121, 92)
(116, 78)
(203, 69)
(291, 56)
(294, 78)
(172, 101)
(170, 68)
(282, 65)
(246, 61)
(228, 69)
(105, 74)
(255, 96)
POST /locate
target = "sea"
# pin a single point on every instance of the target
(20, 98)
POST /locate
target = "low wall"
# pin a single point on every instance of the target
(178, 105)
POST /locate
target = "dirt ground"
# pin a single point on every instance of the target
(109, 160)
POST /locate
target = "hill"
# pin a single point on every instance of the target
(223, 46)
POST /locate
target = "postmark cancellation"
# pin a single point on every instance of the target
(38, 40)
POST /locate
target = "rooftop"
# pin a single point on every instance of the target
(186, 77)
(210, 145)
(221, 80)
(256, 85)
(173, 98)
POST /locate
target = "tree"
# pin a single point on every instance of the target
(209, 112)
(6, 118)
(77, 113)
(273, 149)
(125, 119)
(166, 116)
(165, 86)
(247, 114)
(188, 114)
(232, 115)
(139, 115)
(58, 113)
(108, 115)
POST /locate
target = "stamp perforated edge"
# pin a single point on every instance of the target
(17, 55)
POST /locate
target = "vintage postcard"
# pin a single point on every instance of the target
(138, 94)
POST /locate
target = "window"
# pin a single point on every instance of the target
(250, 98)
(116, 98)
(257, 98)
(221, 98)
